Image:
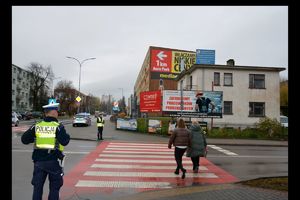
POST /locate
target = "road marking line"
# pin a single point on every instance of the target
(111, 166)
(143, 149)
(222, 150)
(148, 174)
(137, 146)
(122, 184)
(140, 161)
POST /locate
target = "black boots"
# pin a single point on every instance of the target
(183, 173)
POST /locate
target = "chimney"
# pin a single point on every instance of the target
(230, 62)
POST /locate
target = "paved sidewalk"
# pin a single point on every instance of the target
(211, 192)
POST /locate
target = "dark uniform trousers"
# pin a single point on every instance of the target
(55, 173)
(100, 130)
(178, 157)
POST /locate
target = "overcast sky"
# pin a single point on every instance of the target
(119, 37)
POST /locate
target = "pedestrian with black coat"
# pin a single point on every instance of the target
(181, 140)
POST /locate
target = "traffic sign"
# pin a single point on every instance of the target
(78, 99)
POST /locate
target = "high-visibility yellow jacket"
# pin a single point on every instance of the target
(100, 122)
(45, 136)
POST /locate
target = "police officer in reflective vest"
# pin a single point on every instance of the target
(100, 125)
(49, 138)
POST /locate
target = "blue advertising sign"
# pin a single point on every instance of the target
(205, 56)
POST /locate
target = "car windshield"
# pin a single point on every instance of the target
(80, 116)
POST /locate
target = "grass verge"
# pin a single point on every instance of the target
(274, 183)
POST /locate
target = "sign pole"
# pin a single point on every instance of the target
(212, 119)
(181, 86)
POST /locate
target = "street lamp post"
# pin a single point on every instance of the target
(80, 64)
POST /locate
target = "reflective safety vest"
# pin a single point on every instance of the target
(45, 136)
(100, 123)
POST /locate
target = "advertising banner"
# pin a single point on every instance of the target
(127, 124)
(154, 126)
(150, 101)
(166, 64)
(205, 56)
(208, 104)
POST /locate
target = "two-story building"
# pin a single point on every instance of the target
(249, 92)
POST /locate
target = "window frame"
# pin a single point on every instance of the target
(225, 79)
(252, 108)
(224, 110)
(218, 82)
(252, 80)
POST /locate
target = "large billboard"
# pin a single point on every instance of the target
(166, 64)
(150, 101)
(206, 104)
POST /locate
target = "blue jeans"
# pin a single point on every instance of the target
(55, 176)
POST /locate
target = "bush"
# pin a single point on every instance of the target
(270, 127)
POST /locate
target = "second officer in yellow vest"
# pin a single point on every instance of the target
(100, 126)
(48, 137)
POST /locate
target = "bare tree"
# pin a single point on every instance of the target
(40, 77)
(66, 94)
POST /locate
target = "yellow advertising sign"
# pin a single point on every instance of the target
(188, 58)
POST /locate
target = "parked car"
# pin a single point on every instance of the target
(82, 119)
(14, 119)
(284, 121)
(27, 116)
(37, 114)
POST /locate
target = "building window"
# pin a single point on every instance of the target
(227, 79)
(24, 74)
(14, 81)
(26, 95)
(13, 92)
(14, 70)
(256, 109)
(257, 81)
(228, 107)
(217, 78)
(191, 82)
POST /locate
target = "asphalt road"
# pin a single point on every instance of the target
(243, 162)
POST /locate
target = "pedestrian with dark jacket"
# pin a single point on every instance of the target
(198, 145)
(181, 140)
(49, 138)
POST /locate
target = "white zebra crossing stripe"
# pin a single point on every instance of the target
(135, 156)
(111, 166)
(147, 174)
(137, 146)
(122, 184)
(223, 150)
(141, 149)
(139, 161)
(138, 152)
